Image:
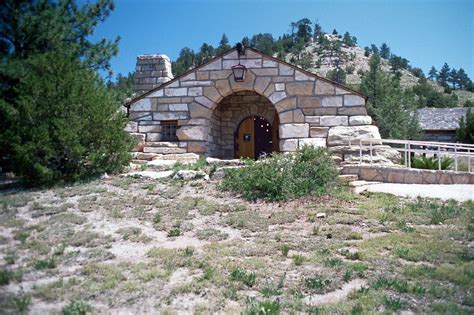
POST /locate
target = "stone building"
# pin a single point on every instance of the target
(440, 124)
(211, 112)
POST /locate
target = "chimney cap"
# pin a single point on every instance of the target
(153, 56)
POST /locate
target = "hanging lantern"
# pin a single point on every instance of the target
(239, 72)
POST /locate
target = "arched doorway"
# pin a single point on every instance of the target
(239, 126)
(254, 138)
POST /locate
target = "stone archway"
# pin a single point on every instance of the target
(229, 114)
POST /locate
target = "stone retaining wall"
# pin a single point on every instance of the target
(407, 175)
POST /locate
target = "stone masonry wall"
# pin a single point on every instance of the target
(311, 110)
(151, 71)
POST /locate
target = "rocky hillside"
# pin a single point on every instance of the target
(353, 61)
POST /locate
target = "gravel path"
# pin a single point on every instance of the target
(456, 192)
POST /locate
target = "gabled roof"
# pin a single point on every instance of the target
(440, 118)
(256, 51)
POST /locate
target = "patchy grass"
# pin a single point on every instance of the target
(136, 245)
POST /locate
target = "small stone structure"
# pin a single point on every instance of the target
(207, 105)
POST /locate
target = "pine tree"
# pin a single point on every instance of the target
(384, 51)
(223, 45)
(318, 31)
(347, 39)
(367, 51)
(374, 49)
(463, 79)
(392, 109)
(465, 131)
(443, 75)
(334, 32)
(453, 77)
(433, 74)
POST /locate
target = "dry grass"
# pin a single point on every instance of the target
(114, 246)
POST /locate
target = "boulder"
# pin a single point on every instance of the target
(340, 135)
(360, 120)
(199, 133)
(161, 165)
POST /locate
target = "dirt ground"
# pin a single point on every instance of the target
(127, 245)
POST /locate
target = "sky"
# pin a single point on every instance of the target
(426, 32)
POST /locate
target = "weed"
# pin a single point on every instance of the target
(316, 230)
(393, 304)
(188, 251)
(284, 250)
(157, 218)
(5, 276)
(253, 307)
(317, 283)
(298, 260)
(248, 278)
(333, 262)
(21, 303)
(76, 308)
(175, 230)
(271, 289)
(49, 263)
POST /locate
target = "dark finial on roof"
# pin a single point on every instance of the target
(240, 49)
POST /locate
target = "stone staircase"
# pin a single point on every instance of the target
(162, 150)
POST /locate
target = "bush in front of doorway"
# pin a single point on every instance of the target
(309, 171)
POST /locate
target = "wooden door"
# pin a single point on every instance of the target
(245, 142)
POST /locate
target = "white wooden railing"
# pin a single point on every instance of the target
(409, 148)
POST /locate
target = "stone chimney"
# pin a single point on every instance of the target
(151, 71)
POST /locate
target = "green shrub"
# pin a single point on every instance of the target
(76, 308)
(317, 283)
(284, 250)
(309, 171)
(64, 124)
(431, 163)
(248, 278)
(298, 260)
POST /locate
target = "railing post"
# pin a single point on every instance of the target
(360, 151)
(409, 155)
(455, 157)
(469, 160)
(406, 157)
(439, 158)
(370, 143)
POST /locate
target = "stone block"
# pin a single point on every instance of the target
(306, 102)
(312, 142)
(219, 75)
(360, 120)
(298, 116)
(178, 107)
(215, 65)
(286, 117)
(261, 84)
(265, 71)
(140, 116)
(197, 147)
(275, 97)
(199, 111)
(204, 101)
(332, 101)
(153, 136)
(330, 121)
(279, 86)
(176, 91)
(289, 145)
(164, 150)
(211, 93)
(267, 63)
(300, 76)
(197, 83)
(202, 75)
(340, 135)
(294, 131)
(195, 91)
(353, 100)
(324, 88)
(285, 70)
(141, 105)
(170, 115)
(132, 126)
(157, 93)
(318, 132)
(286, 104)
(149, 128)
(300, 88)
(312, 119)
(351, 111)
(198, 133)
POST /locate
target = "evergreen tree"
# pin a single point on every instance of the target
(206, 53)
(33, 27)
(465, 131)
(58, 120)
(384, 51)
(443, 75)
(223, 45)
(303, 30)
(263, 42)
(453, 77)
(392, 109)
(347, 39)
(337, 75)
(433, 74)
(463, 79)
(246, 41)
(318, 31)
(334, 32)
(367, 51)
(374, 49)
(354, 40)
(185, 61)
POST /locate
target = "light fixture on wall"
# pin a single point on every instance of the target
(239, 70)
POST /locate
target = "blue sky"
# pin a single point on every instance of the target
(426, 32)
